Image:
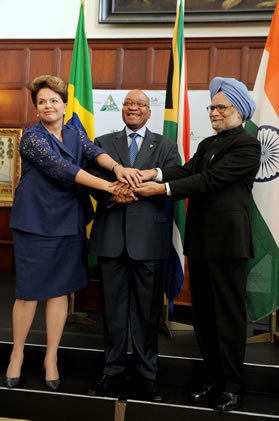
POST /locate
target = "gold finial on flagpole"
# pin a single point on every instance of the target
(83, 2)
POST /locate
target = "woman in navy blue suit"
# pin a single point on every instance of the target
(48, 220)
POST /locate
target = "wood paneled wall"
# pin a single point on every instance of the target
(116, 64)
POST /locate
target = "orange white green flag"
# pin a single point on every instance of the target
(263, 278)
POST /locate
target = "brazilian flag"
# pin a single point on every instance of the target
(80, 98)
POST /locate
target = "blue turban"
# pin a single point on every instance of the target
(237, 93)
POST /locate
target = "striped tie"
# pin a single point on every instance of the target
(133, 149)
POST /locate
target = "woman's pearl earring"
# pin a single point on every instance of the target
(38, 115)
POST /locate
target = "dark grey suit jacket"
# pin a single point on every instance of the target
(218, 181)
(142, 226)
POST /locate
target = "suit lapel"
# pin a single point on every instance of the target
(121, 146)
(148, 147)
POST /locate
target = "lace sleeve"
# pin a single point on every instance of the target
(90, 150)
(35, 148)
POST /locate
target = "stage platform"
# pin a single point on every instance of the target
(80, 367)
(81, 362)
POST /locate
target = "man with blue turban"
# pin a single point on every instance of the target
(217, 181)
(236, 93)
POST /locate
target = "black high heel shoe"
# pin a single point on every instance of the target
(12, 382)
(53, 385)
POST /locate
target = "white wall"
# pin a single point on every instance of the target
(38, 18)
(50, 19)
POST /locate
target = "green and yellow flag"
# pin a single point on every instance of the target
(80, 98)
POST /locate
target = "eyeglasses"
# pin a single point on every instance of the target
(138, 104)
(221, 108)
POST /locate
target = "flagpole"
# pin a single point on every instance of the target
(84, 10)
(272, 336)
(77, 316)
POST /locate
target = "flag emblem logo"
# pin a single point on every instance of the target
(109, 105)
(269, 167)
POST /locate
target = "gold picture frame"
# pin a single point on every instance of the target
(205, 11)
(9, 164)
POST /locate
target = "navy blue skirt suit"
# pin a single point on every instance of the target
(48, 214)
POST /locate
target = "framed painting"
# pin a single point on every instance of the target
(160, 11)
(9, 164)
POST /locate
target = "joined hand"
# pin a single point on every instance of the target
(131, 176)
(150, 188)
(123, 193)
(129, 182)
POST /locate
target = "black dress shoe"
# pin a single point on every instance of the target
(12, 382)
(204, 394)
(227, 401)
(108, 385)
(53, 385)
(152, 391)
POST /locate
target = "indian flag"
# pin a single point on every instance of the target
(80, 98)
(263, 278)
(177, 128)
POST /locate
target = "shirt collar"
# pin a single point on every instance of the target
(140, 132)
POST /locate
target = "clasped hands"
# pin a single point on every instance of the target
(129, 183)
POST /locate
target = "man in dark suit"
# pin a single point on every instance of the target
(218, 181)
(131, 242)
